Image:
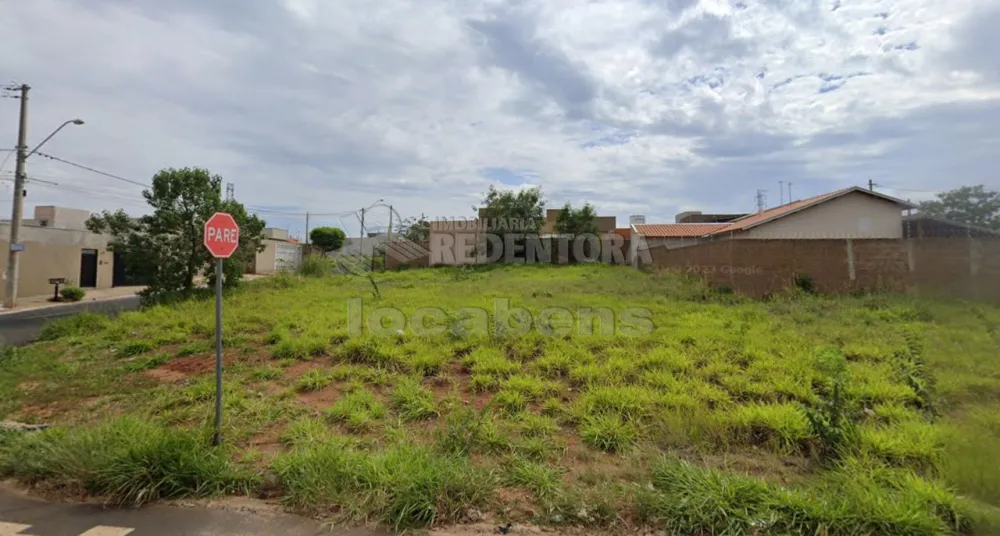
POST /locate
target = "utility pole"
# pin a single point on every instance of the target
(761, 201)
(230, 191)
(781, 188)
(388, 243)
(10, 291)
(790, 198)
(871, 186)
(307, 228)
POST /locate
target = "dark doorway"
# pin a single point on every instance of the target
(118, 274)
(88, 268)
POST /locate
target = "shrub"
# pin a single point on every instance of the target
(805, 283)
(129, 461)
(72, 293)
(315, 266)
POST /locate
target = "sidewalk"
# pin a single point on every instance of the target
(40, 302)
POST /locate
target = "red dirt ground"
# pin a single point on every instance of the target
(183, 368)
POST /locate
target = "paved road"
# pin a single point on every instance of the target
(27, 516)
(22, 327)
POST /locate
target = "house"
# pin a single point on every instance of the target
(57, 244)
(281, 252)
(854, 213)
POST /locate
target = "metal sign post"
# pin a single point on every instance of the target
(218, 352)
(222, 237)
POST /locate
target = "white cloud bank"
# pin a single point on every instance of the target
(639, 106)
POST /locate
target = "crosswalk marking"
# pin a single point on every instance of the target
(103, 530)
(17, 529)
(11, 529)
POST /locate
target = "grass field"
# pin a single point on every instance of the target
(681, 408)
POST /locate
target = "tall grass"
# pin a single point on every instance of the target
(404, 486)
(128, 462)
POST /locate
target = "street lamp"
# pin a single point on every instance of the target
(10, 290)
(77, 122)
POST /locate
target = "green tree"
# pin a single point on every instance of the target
(328, 238)
(416, 229)
(577, 221)
(973, 205)
(165, 249)
(513, 212)
(526, 207)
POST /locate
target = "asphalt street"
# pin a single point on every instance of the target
(22, 327)
(28, 516)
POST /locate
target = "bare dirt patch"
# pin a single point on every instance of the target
(301, 367)
(183, 368)
(322, 398)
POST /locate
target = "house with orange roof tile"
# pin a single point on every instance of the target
(854, 213)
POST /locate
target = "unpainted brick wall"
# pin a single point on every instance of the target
(963, 267)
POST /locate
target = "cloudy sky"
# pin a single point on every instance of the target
(638, 106)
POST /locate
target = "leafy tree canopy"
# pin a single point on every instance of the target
(328, 238)
(416, 229)
(973, 205)
(527, 207)
(578, 221)
(165, 249)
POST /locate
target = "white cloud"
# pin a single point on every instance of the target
(639, 106)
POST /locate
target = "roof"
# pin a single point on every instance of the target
(759, 218)
(677, 230)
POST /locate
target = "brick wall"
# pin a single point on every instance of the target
(962, 267)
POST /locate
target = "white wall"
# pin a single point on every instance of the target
(855, 215)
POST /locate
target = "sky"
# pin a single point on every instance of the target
(647, 107)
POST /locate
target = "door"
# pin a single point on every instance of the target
(118, 270)
(88, 268)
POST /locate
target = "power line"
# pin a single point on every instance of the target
(92, 170)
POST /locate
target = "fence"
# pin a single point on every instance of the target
(947, 263)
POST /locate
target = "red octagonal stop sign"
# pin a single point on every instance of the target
(222, 235)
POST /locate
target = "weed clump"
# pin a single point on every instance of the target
(404, 486)
(129, 461)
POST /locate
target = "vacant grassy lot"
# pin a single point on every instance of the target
(796, 415)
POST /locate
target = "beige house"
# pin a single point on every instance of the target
(854, 213)
(280, 253)
(57, 244)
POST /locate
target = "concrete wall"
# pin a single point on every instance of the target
(51, 253)
(278, 234)
(855, 215)
(61, 217)
(276, 256)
